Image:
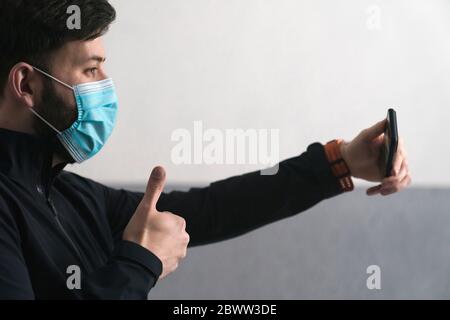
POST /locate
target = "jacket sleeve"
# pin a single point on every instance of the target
(237, 205)
(130, 274)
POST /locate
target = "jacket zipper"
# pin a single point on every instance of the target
(58, 222)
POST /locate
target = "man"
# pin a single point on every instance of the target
(57, 106)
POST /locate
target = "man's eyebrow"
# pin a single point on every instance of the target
(96, 58)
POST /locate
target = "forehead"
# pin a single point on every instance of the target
(77, 53)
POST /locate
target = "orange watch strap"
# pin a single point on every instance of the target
(338, 165)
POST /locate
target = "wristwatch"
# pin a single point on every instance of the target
(338, 165)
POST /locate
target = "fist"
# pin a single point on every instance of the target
(162, 233)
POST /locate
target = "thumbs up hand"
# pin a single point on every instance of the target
(162, 233)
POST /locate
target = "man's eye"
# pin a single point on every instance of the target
(92, 71)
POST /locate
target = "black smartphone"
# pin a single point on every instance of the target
(390, 141)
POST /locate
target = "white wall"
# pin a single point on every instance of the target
(315, 69)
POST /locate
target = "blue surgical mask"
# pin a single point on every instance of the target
(97, 109)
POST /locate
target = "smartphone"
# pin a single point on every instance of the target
(390, 140)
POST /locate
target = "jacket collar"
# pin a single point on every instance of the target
(28, 159)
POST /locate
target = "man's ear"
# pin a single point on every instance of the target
(24, 84)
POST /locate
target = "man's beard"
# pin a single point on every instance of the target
(58, 113)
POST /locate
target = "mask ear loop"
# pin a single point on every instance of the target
(34, 111)
(45, 121)
(52, 77)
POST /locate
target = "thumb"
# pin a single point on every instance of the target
(155, 187)
(375, 130)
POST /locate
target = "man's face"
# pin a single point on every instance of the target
(75, 63)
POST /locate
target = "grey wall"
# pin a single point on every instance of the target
(315, 70)
(324, 253)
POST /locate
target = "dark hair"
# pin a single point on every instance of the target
(31, 30)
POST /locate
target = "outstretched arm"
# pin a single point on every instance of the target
(236, 205)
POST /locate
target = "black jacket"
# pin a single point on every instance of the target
(51, 219)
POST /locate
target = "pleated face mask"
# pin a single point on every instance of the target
(97, 106)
